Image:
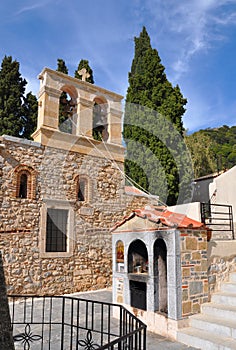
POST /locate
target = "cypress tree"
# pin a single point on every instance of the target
(153, 127)
(61, 66)
(85, 64)
(12, 88)
(30, 115)
(18, 113)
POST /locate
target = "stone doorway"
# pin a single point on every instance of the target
(160, 273)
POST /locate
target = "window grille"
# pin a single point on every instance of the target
(56, 232)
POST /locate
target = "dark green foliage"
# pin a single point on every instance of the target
(85, 64)
(212, 149)
(17, 112)
(30, 115)
(153, 134)
(61, 66)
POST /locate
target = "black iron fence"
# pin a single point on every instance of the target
(218, 217)
(69, 323)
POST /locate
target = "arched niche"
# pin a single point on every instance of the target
(120, 256)
(100, 119)
(160, 273)
(137, 257)
(67, 114)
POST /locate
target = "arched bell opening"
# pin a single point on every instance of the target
(100, 122)
(160, 273)
(67, 110)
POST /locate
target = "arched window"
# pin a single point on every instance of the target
(24, 182)
(23, 186)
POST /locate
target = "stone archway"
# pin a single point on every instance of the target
(160, 273)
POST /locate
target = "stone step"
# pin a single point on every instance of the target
(229, 287)
(221, 236)
(204, 340)
(219, 326)
(232, 277)
(225, 298)
(219, 310)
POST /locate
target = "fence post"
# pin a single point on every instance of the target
(6, 338)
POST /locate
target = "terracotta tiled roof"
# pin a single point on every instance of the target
(160, 215)
(134, 191)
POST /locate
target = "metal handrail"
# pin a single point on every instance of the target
(73, 323)
(210, 217)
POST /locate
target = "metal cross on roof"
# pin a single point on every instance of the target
(84, 74)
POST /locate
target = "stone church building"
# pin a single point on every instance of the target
(62, 192)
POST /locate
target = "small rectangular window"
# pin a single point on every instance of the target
(82, 190)
(56, 230)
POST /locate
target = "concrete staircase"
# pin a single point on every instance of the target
(215, 327)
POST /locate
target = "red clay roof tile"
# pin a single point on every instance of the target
(164, 216)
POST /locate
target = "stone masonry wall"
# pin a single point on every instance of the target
(90, 264)
(219, 270)
(221, 262)
(194, 270)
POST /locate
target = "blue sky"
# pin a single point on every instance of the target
(196, 40)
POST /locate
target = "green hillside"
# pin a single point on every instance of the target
(212, 149)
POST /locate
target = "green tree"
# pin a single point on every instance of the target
(30, 115)
(61, 66)
(212, 149)
(85, 64)
(18, 113)
(153, 134)
(201, 147)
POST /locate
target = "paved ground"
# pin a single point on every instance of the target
(74, 311)
(154, 341)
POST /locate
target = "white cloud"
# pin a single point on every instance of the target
(195, 26)
(30, 7)
(35, 6)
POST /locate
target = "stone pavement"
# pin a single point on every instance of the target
(55, 312)
(154, 341)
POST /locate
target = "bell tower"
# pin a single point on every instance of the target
(94, 116)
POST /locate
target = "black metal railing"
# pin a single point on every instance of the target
(69, 323)
(218, 217)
